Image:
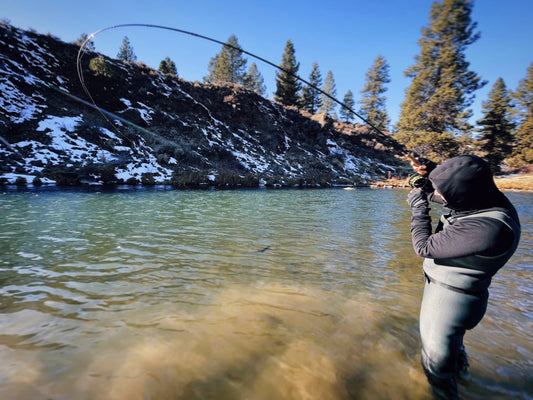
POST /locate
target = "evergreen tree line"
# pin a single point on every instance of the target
(316, 96)
(435, 114)
(230, 66)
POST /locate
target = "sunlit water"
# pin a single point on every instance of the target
(263, 294)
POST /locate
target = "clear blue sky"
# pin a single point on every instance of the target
(344, 36)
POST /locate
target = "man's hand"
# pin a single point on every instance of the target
(419, 168)
(422, 165)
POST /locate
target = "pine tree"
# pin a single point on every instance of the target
(523, 97)
(99, 67)
(310, 99)
(89, 45)
(229, 65)
(328, 104)
(496, 131)
(287, 84)
(435, 109)
(373, 100)
(349, 102)
(167, 66)
(125, 52)
(254, 80)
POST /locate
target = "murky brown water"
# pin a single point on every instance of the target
(287, 294)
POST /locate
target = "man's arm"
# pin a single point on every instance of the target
(470, 236)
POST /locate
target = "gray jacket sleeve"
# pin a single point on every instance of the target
(470, 236)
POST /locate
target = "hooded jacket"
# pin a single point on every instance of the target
(477, 237)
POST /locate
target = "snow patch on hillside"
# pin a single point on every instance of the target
(68, 147)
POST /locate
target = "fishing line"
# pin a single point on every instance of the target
(393, 142)
(108, 114)
(6, 143)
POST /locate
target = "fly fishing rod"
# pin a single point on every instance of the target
(81, 51)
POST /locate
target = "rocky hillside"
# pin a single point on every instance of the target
(160, 129)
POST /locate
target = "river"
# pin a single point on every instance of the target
(245, 294)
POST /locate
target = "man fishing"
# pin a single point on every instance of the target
(470, 244)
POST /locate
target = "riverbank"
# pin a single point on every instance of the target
(513, 182)
(517, 182)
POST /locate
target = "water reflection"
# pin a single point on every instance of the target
(250, 294)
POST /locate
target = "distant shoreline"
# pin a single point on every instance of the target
(505, 183)
(514, 183)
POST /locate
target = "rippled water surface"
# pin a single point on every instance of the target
(266, 294)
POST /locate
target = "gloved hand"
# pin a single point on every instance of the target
(427, 165)
(417, 198)
(420, 179)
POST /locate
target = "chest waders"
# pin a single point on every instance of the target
(455, 300)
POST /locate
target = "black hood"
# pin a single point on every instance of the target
(466, 183)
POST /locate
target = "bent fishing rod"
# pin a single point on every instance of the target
(81, 51)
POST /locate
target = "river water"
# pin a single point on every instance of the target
(252, 294)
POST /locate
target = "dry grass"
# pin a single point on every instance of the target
(518, 182)
(515, 182)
